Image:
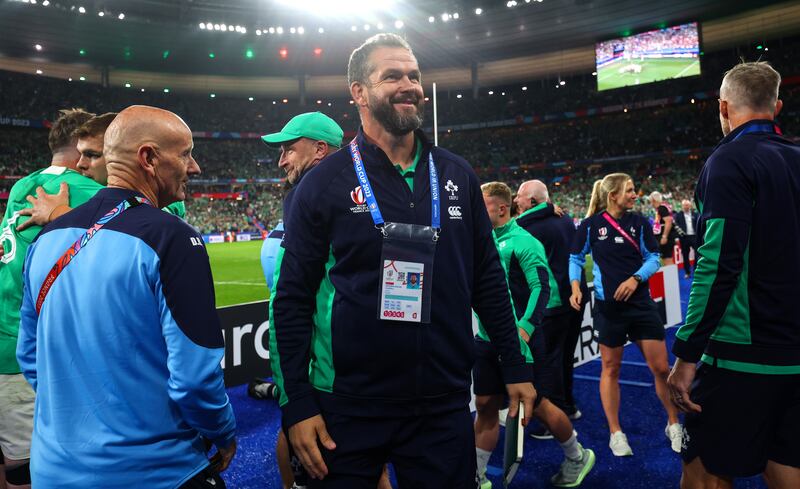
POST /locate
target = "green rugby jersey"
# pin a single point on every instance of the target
(531, 284)
(176, 209)
(15, 244)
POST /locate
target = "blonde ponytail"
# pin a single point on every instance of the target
(602, 190)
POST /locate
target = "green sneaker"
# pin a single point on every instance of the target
(573, 472)
(483, 482)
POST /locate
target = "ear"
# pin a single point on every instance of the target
(723, 109)
(321, 149)
(358, 93)
(778, 107)
(147, 157)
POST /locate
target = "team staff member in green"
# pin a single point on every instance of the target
(16, 395)
(742, 325)
(532, 287)
(91, 164)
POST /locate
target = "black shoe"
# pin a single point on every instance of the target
(261, 389)
(541, 433)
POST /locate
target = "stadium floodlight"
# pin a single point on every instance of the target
(366, 27)
(202, 26)
(121, 16)
(286, 101)
(328, 9)
(319, 102)
(166, 90)
(478, 11)
(292, 30)
(562, 83)
(82, 78)
(142, 90)
(380, 26)
(445, 17)
(127, 85)
(230, 28)
(213, 95)
(594, 73)
(301, 30)
(398, 24)
(524, 89)
(279, 30)
(274, 102)
(458, 96)
(250, 98)
(491, 92)
(353, 28)
(258, 32)
(692, 100)
(272, 30)
(209, 26)
(69, 79)
(431, 19)
(38, 72)
(101, 14)
(455, 15)
(38, 47)
(45, 3)
(81, 10)
(321, 30)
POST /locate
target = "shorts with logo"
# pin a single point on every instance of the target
(617, 322)
(487, 377)
(16, 416)
(747, 419)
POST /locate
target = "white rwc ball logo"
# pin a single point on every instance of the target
(602, 231)
(357, 195)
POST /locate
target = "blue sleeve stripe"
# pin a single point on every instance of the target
(576, 262)
(651, 259)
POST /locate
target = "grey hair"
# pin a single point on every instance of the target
(359, 68)
(753, 85)
(657, 196)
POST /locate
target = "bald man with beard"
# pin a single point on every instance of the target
(122, 334)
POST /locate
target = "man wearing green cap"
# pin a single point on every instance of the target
(304, 141)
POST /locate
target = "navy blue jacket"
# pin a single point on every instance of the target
(556, 234)
(615, 258)
(329, 350)
(742, 312)
(680, 220)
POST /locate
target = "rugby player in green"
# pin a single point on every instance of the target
(46, 207)
(531, 286)
(16, 396)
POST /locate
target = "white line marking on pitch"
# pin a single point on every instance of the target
(685, 69)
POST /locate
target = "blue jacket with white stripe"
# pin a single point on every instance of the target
(125, 353)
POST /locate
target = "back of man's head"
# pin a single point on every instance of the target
(61, 135)
(96, 126)
(656, 197)
(752, 87)
(359, 67)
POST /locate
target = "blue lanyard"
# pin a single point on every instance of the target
(372, 204)
(757, 128)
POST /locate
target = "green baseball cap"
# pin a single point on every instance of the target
(311, 125)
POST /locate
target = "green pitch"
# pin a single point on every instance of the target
(609, 77)
(237, 272)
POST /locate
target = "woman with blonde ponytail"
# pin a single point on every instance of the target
(625, 254)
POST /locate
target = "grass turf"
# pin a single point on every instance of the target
(238, 277)
(609, 77)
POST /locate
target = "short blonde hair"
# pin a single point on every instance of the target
(497, 189)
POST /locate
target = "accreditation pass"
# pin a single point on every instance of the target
(401, 291)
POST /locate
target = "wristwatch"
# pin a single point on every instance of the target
(637, 277)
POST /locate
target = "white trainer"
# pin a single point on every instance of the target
(618, 443)
(674, 432)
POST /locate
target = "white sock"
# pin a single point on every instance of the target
(483, 459)
(571, 447)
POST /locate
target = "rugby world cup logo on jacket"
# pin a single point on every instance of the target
(357, 196)
(602, 233)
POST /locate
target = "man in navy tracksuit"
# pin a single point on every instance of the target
(562, 324)
(741, 323)
(358, 391)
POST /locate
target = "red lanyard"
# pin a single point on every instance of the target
(621, 231)
(81, 242)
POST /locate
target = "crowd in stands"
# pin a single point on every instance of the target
(662, 146)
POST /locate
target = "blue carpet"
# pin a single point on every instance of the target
(653, 466)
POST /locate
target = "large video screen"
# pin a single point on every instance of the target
(651, 56)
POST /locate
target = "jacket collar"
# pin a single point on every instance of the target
(748, 126)
(540, 211)
(372, 154)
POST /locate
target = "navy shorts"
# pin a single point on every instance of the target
(487, 378)
(747, 419)
(617, 322)
(426, 452)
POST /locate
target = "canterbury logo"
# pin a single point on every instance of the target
(454, 211)
(358, 196)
